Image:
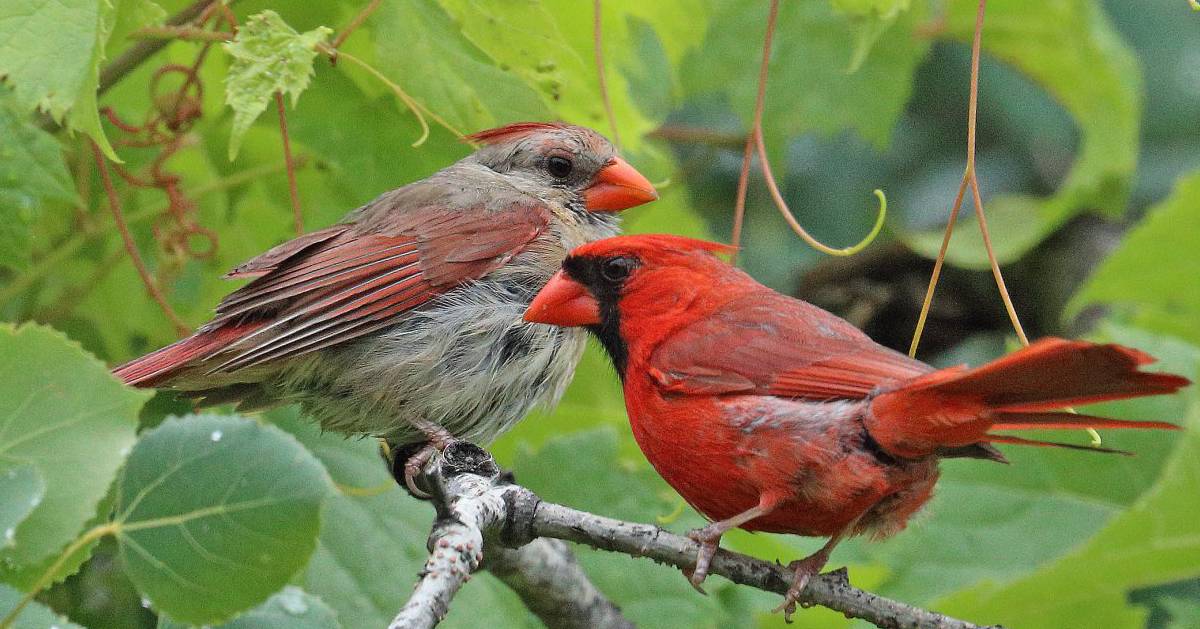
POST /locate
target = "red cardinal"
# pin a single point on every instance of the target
(404, 320)
(769, 414)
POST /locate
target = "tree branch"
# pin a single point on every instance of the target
(549, 580)
(472, 503)
(475, 507)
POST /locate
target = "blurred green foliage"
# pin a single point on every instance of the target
(1086, 129)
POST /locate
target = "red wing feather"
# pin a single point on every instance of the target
(762, 342)
(355, 284)
(340, 283)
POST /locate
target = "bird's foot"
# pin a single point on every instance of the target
(435, 435)
(709, 539)
(413, 467)
(406, 462)
(805, 569)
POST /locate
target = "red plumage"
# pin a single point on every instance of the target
(769, 414)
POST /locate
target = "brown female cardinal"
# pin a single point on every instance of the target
(769, 414)
(404, 320)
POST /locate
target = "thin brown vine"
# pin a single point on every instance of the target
(601, 75)
(114, 206)
(297, 213)
(755, 141)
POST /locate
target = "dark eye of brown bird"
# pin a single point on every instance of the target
(559, 167)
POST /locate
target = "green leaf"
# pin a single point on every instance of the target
(216, 513)
(1184, 612)
(868, 7)
(1142, 276)
(32, 172)
(268, 57)
(50, 53)
(871, 18)
(289, 608)
(523, 37)
(1073, 51)
(34, 616)
(418, 47)
(643, 43)
(130, 16)
(21, 490)
(809, 87)
(64, 414)
(1154, 542)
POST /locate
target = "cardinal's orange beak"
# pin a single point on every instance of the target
(564, 302)
(618, 186)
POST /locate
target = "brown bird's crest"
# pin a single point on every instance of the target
(512, 131)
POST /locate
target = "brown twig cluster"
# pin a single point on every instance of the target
(174, 111)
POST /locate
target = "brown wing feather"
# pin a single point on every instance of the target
(353, 283)
(272, 258)
(766, 343)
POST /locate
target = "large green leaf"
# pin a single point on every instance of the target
(268, 57)
(216, 513)
(1071, 49)
(643, 44)
(34, 616)
(289, 608)
(523, 37)
(64, 414)
(549, 46)
(1154, 542)
(32, 172)
(810, 88)
(50, 52)
(1143, 276)
(419, 47)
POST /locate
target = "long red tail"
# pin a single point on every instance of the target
(959, 407)
(154, 368)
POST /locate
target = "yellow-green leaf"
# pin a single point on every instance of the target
(268, 57)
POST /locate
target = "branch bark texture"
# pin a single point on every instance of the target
(477, 507)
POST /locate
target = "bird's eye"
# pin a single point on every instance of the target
(559, 167)
(616, 270)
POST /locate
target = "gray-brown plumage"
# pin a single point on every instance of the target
(407, 315)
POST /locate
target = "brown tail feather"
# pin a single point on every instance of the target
(1021, 441)
(158, 366)
(1065, 420)
(953, 407)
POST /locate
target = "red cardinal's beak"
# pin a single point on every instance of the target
(564, 302)
(618, 186)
